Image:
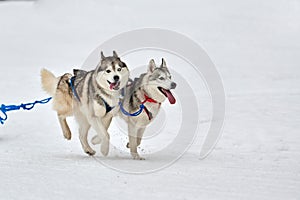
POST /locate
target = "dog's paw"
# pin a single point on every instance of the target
(105, 148)
(90, 152)
(96, 140)
(140, 158)
(67, 136)
(137, 157)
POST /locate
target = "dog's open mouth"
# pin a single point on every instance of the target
(168, 94)
(114, 86)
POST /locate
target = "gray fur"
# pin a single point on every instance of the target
(148, 84)
(93, 88)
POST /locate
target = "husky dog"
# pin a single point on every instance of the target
(150, 89)
(91, 96)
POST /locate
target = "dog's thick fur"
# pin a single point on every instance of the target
(95, 100)
(155, 84)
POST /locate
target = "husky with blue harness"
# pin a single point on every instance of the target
(142, 102)
(91, 96)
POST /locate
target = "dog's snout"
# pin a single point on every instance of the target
(116, 78)
(173, 85)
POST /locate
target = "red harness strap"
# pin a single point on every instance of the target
(150, 100)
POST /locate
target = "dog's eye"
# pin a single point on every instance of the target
(119, 69)
(108, 71)
(161, 78)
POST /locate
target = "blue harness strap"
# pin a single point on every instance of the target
(108, 108)
(142, 107)
(131, 114)
(73, 88)
(27, 106)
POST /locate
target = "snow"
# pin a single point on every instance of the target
(255, 46)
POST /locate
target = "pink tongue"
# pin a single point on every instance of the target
(170, 96)
(112, 85)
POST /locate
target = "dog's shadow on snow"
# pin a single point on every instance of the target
(74, 157)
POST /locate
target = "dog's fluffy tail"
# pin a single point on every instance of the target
(49, 82)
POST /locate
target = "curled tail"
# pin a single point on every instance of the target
(58, 88)
(49, 81)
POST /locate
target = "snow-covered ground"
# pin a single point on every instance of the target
(254, 44)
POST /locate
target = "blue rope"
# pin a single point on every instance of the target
(27, 106)
(131, 114)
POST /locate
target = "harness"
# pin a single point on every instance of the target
(150, 100)
(142, 107)
(73, 88)
(108, 108)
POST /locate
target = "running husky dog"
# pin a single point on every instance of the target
(91, 96)
(149, 90)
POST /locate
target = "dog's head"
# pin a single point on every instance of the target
(112, 73)
(160, 82)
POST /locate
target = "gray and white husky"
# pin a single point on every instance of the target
(91, 96)
(150, 89)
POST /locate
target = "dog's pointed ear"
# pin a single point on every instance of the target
(115, 54)
(163, 63)
(102, 55)
(151, 66)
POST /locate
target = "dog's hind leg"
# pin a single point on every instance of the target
(64, 126)
(84, 127)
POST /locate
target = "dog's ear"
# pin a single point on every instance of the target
(151, 66)
(102, 55)
(115, 54)
(163, 63)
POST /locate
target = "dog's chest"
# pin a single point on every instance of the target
(102, 107)
(153, 109)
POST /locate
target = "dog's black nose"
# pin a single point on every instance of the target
(116, 78)
(173, 85)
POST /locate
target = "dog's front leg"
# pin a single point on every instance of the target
(102, 133)
(133, 141)
(84, 127)
(106, 122)
(140, 134)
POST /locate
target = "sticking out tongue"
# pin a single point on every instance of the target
(169, 95)
(114, 86)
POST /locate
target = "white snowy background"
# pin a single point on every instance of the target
(255, 46)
